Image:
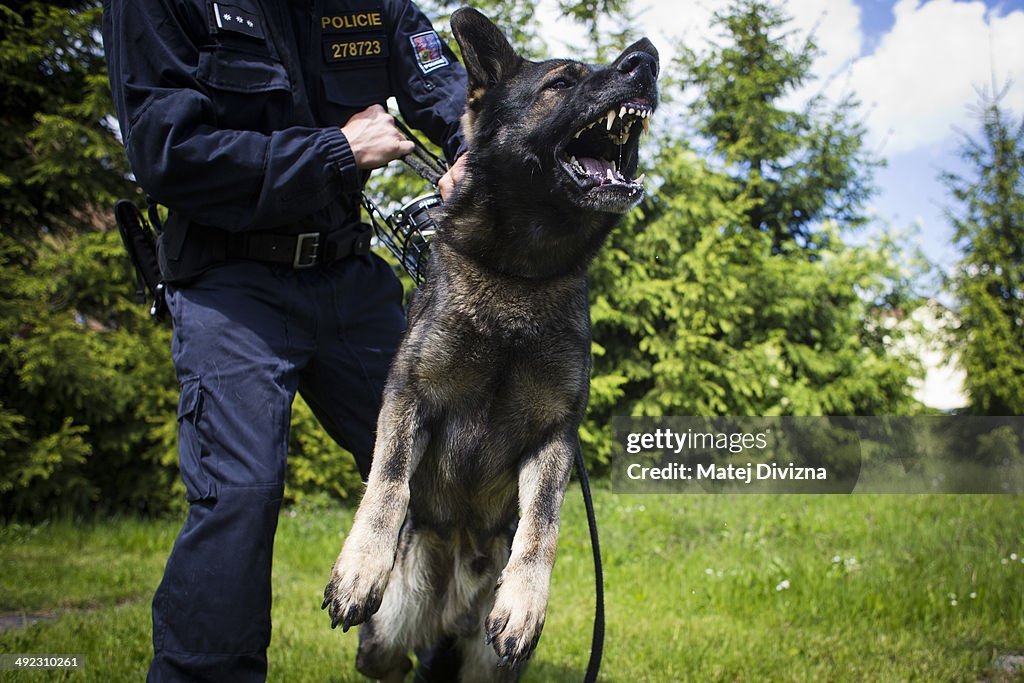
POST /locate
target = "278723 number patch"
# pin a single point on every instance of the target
(347, 49)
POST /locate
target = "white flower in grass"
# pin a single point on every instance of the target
(1013, 556)
(783, 585)
(709, 571)
(836, 559)
(974, 596)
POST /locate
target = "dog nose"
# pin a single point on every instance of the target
(636, 61)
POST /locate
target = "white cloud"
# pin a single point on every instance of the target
(669, 23)
(557, 31)
(835, 27)
(922, 77)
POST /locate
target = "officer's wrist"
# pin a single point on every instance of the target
(340, 159)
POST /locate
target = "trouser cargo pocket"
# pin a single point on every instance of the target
(191, 449)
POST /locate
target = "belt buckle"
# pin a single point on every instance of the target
(306, 247)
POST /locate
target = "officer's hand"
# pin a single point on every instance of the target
(374, 138)
(446, 185)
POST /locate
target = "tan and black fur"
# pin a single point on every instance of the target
(456, 533)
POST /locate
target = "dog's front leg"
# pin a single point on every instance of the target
(363, 567)
(514, 625)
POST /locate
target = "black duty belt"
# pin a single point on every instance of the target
(303, 250)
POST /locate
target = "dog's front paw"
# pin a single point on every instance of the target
(356, 588)
(514, 624)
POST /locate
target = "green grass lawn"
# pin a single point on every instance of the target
(698, 588)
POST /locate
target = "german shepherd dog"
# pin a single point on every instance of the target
(455, 535)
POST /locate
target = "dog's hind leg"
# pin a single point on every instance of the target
(408, 617)
(380, 658)
(362, 570)
(480, 664)
(517, 618)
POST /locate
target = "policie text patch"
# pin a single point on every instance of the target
(236, 20)
(368, 20)
(427, 47)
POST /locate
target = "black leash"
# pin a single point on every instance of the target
(430, 167)
(597, 639)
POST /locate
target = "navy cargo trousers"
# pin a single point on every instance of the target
(247, 336)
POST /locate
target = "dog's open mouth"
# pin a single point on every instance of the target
(603, 153)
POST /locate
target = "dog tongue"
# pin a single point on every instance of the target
(598, 168)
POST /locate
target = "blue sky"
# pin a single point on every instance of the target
(909, 189)
(915, 67)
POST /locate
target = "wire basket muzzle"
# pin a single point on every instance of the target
(407, 232)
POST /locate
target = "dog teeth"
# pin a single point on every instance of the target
(610, 176)
(640, 178)
(644, 115)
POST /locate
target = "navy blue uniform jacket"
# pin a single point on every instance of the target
(231, 111)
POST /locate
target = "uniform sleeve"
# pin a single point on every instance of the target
(233, 179)
(429, 81)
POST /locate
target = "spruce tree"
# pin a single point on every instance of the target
(801, 167)
(988, 284)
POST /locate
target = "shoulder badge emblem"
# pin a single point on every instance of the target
(427, 47)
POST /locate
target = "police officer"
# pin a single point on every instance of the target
(256, 123)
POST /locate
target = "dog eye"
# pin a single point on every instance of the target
(560, 83)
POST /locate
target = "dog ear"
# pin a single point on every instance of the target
(488, 56)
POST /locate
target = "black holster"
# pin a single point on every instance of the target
(140, 242)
